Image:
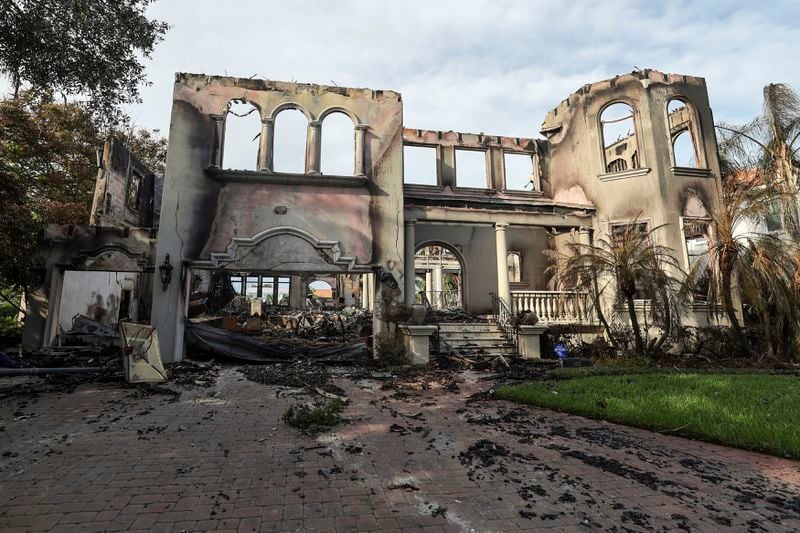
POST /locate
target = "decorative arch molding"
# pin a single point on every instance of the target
(338, 109)
(290, 105)
(112, 257)
(329, 252)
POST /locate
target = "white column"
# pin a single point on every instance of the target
(428, 288)
(313, 147)
(408, 262)
(367, 291)
(437, 287)
(265, 144)
(364, 292)
(371, 284)
(360, 167)
(218, 142)
(503, 289)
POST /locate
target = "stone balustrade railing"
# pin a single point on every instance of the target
(555, 307)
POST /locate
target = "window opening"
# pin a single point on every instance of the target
(419, 165)
(471, 169)
(620, 148)
(519, 172)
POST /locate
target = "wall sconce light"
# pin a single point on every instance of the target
(165, 270)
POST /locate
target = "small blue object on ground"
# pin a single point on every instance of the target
(561, 351)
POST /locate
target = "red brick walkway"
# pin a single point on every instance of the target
(102, 458)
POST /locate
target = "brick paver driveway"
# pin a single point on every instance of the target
(107, 458)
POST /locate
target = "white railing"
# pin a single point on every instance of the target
(448, 299)
(555, 307)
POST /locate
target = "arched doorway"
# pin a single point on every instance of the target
(439, 276)
(321, 293)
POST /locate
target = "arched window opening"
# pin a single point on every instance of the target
(321, 294)
(338, 145)
(289, 152)
(514, 260)
(683, 150)
(620, 148)
(242, 132)
(681, 127)
(439, 277)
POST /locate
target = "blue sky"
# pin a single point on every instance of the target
(492, 66)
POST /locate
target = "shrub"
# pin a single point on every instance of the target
(314, 418)
(570, 337)
(8, 313)
(566, 335)
(720, 342)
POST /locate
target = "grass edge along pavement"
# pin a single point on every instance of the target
(759, 412)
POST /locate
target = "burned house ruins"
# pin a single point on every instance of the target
(467, 233)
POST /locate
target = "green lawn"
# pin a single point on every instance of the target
(752, 411)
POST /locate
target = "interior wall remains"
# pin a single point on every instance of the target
(98, 295)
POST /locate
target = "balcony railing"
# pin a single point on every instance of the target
(449, 299)
(555, 307)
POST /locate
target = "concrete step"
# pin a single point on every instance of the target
(505, 351)
(471, 334)
(476, 342)
(469, 327)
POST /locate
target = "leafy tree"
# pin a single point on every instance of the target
(628, 262)
(48, 167)
(86, 48)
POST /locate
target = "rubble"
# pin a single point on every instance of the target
(207, 339)
(192, 373)
(88, 331)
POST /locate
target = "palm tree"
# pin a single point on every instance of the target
(631, 262)
(761, 178)
(770, 147)
(760, 266)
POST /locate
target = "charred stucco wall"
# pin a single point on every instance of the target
(85, 248)
(209, 216)
(120, 175)
(657, 191)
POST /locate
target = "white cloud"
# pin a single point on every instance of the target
(493, 66)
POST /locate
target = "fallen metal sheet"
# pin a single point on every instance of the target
(255, 350)
(141, 354)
